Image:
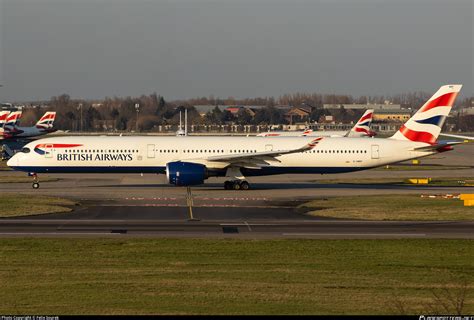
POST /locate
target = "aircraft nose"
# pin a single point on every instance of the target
(13, 161)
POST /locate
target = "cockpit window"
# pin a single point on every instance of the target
(25, 150)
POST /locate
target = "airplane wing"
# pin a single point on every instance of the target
(456, 136)
(259, 159)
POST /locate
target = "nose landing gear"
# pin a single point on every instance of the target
(35, 184)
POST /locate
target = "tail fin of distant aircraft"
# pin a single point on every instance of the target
(46, 121)
(363, 125)
(306, 132)
(12, 120)
(425, 125)
(3, 119)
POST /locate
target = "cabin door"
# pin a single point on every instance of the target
(375, 151)
(49, 150)
(150, 151)
(269, 147)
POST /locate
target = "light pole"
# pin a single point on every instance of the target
(137, 107)
(80, 108)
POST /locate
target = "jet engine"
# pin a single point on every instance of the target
(185, 173)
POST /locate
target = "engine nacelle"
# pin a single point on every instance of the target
(185, 173)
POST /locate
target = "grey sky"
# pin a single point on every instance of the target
(183, 49)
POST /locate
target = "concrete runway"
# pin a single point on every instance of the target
(137, 205)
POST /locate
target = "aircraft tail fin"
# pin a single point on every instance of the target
(363, 125)
(425, 125)
(46, 121)
(12, 120)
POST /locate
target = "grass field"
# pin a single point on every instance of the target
(391, 207)
(4, 167)
(23, 179)
(420, 167)
(188, 276)
(442, 182)
(22, 205)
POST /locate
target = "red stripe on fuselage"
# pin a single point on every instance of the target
(57, 145)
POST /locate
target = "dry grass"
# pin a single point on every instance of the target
(23, 205)
(391, 207)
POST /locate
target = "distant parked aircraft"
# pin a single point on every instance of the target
(42, 127)
(360, 129)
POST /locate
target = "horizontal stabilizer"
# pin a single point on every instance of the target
(441, 146)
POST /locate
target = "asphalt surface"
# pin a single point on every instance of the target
(136, 205)
(242, 229)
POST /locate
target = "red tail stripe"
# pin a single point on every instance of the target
(419, 136)
(367, 116)
(446, 100)
(358, 129)
(48, 116)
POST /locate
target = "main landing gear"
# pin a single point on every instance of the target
(236, 185)
(35, 184)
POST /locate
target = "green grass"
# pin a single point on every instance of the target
(189, 276)
(419, 167)
(24, 179)
(15, 205)
(440, 182)
(391, 207)
(4, 167)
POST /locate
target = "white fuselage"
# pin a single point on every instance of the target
(27, 132)
(351, 134)
(107, 154)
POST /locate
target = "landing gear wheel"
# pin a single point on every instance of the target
(228, 185)
(244, 185)
(236, 185)
(35, 185)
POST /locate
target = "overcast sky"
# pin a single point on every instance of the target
(190, 48)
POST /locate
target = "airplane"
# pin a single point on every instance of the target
(42, 127)
(188, 161)
(360, 129)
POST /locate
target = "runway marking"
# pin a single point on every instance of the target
(252, 224)
(196, 198)
(204, 205)
(248, 226)
(358, 234)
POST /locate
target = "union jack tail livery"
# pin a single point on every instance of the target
(425, 125)
(363, 125)
(46, 121)
(12, 121)
(3, 119)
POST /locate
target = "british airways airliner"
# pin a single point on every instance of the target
(191, 160)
